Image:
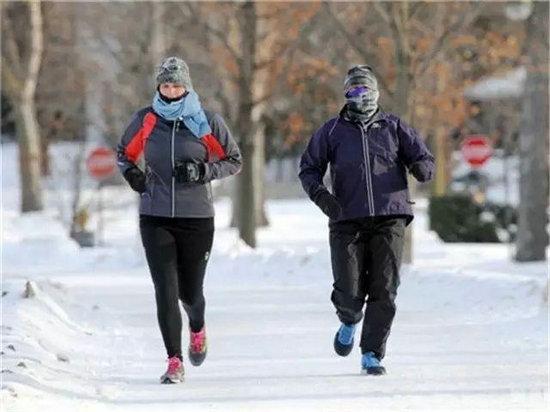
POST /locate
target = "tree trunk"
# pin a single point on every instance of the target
(440, 183)
(158, 40)
(258, 160)
(29, 156)
(259, 169)
(402, 93)
(254, 88)
(532, 236)
(259, 91)
(247, 128)
(19, 81)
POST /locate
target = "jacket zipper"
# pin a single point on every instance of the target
(366, 156)
(173, 168)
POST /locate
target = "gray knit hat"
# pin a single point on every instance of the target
(174, 70)
(360, 75)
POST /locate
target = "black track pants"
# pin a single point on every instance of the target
(366, 256)
(177, 251)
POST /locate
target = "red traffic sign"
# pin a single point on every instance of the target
(476, 150)
(101, 163)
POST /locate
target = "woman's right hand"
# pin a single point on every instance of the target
(136, 179)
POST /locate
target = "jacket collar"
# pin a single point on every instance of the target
(379, 116)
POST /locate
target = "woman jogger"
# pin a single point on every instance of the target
(184, 148)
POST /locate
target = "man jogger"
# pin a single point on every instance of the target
(369, 153)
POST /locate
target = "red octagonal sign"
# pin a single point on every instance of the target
(101, 163)
(476, 149)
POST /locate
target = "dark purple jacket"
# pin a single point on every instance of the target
(368, 164)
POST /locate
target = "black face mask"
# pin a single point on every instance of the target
(171, 100)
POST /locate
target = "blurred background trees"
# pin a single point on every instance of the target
(275, 72)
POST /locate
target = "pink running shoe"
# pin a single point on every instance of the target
(175, 371)
(197, 346)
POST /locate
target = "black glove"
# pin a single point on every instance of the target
(189, 172)
(136, 178)
(420, 171)
(328, 203)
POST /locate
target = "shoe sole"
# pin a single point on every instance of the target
(378, 371)
(342, 350)
(197, 359)
(169, 381)
(177, 378)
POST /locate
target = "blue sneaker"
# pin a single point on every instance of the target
(343, 341)
(370, 365)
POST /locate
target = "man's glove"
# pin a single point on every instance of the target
(136, 178)
(328, 203)
(189, 172)
(420, 171)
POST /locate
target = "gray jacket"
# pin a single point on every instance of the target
(163, 143)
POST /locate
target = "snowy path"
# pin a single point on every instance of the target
(470, 333)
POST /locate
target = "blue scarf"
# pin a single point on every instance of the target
(188, 109)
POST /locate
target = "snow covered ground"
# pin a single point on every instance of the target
(471, 331)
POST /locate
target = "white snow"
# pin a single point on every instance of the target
(471, 332)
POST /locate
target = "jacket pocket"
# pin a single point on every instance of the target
(382, 159)
(145, 202)
(149, 182)
(146, 199)
(382, 163)
(151, 187)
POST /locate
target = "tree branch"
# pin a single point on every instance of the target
(356, 45)
(271, 15)
(415, 8)
(220, 35)
(382, 12)
(11, 84)
(11, 50)
(36, 48)
(262, 99)
(305, 30)
(268, 62)
(397, 25)
(464, 20)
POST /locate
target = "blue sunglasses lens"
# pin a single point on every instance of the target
(356, 91)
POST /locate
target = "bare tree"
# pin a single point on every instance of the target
(118, 60)
(21, 57)
(60, 92)
(532, 233)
